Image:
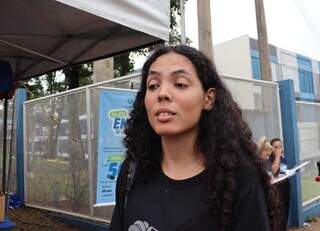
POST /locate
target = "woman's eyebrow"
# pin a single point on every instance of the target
(152, 72)
(180, 71)
(176, 72)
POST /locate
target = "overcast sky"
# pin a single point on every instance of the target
(292, 24)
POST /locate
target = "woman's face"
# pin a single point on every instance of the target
(265, 154)
(175, 98)
(277, 146)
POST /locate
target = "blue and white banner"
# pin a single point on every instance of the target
(114, 109)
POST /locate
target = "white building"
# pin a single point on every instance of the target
(240, 57)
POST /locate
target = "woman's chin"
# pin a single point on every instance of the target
(166, 132)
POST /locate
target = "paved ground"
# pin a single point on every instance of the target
(313, 225)
(29, 219)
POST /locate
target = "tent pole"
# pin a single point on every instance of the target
(4, 156)
(7, 192)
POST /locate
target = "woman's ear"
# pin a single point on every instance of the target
(210, 97)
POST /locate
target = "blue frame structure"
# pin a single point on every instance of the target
(298, 213)
(20, 98)
(291, 145)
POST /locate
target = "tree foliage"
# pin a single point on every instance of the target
(78, 75)
(44, 85)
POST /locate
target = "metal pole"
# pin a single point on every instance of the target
(7, 192)
(183, 26)
(4, 156)
(263, 41)
(89, 148)
(204, 28)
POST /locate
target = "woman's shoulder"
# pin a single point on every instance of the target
(248, 179)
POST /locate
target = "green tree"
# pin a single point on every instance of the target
(78, 181)
(123, 65)
(78, 75)
(47, 84)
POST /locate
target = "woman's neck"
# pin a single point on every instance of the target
(180, 158)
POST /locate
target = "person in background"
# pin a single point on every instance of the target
(278, 166)
(265, 149)
(196, 163)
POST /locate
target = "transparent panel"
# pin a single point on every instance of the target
(56, 153)
(259, 105)
(133, 83)
(308, 117)
(56, 150)
(104, 212)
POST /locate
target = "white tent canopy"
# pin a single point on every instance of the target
(37, 36)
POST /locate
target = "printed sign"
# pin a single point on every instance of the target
(114, 110)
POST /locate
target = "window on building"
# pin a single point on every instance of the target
(255, 67)
(306, 82)
(255, 63)
(305, 77)
(304, 63)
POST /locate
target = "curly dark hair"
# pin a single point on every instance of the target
(224, 138)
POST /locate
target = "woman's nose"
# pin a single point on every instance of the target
(164, 94)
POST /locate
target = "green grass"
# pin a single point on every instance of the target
(310, 188)
(49, 183)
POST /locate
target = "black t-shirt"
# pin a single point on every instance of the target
(166, 204)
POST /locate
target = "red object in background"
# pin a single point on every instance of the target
(318, 177)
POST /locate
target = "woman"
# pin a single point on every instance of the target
(278, 165)
(197, 167)
(265, 149)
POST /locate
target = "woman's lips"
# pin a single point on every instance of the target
(164, 115)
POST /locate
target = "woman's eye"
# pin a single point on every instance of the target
(153, 87)
(181, 85)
